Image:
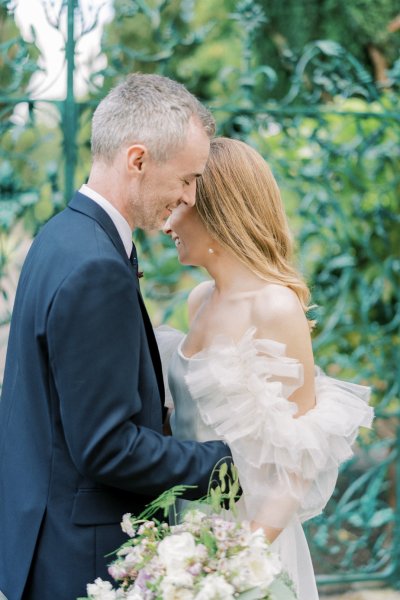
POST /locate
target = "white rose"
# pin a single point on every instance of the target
(101, 590)
(215, 587)
(177, 587)
(175, 550)
(260, 568)
(237, 574)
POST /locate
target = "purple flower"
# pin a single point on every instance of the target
(142, 579)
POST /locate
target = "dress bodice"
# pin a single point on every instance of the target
(186, 421)
(239, 391)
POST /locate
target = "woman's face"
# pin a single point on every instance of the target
(191, 238)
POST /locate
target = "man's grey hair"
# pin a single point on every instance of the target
(146, 109)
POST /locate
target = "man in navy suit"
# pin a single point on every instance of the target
(82, 404)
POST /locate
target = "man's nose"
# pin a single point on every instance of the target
(167, 226)
(189, 195)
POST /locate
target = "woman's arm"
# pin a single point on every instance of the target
(279, 316)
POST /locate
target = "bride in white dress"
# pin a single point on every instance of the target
(245, 371)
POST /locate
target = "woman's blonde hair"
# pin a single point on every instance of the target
(240, 204)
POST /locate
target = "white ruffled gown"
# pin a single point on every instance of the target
(238, 392)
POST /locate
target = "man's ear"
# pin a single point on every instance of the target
(136, 156)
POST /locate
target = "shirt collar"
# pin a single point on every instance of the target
(119, 221)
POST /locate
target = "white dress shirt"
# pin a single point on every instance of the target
(121, 224)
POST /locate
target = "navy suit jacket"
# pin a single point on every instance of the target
(81, 412)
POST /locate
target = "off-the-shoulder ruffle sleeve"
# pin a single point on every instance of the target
(286, 465)
(168, 340)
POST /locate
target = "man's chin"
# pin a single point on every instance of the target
(151, 227)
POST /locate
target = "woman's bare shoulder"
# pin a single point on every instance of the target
(276, 300)
(278, 314)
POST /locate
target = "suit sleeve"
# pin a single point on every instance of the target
(93, 332)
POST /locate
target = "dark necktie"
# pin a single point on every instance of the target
(134, 261)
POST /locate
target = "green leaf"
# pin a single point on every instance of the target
(253, 594)
(209, 542)
(281, 591)
(223, 471)
(164, 502)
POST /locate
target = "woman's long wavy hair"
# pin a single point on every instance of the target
(240, 204)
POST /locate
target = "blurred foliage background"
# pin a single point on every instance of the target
(314, 86)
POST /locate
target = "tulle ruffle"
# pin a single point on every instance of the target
(242, 391)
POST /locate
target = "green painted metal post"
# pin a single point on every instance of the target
(69, 106)
(396, 533)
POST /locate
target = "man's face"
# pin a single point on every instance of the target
(164, 186)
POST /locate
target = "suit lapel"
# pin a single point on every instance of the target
(86, 206)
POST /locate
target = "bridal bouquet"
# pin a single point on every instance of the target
(205, 557)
